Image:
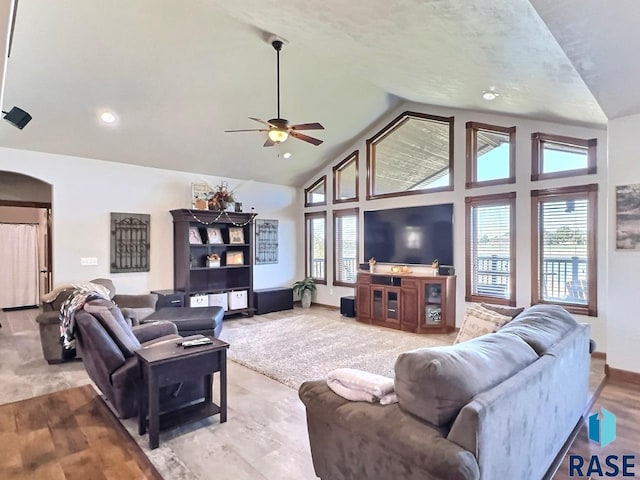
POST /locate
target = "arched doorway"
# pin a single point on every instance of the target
(25, 240)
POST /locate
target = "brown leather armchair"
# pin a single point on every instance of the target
(107, 345)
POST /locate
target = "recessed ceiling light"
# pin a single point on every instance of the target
(490, 94)
(108, 117)
(286, 154)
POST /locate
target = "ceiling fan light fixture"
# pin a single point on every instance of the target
(278, 135)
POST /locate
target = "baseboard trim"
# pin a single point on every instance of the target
(316, 304)
(601, 355)
(624, 376)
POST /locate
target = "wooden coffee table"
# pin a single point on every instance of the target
(168, 364)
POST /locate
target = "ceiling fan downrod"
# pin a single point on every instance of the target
(277, 45)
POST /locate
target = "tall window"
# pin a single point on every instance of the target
(491, 154)
(316, 246)
(490, 245)
(316, 194)
(345, 247)
(411, 155)
(345, 180)
(564, 247)
(554, 156)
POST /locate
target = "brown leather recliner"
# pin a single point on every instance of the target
(107, 345)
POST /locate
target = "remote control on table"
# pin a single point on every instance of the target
(197, 342)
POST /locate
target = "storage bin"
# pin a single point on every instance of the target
(237, 300)
(218, 300)
(199, 301)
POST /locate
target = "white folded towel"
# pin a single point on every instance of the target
(361, 386)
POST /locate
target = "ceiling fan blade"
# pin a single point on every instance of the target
(307, 126)
(249, 130)
(269, 143)
(262, 121)
(305, 138)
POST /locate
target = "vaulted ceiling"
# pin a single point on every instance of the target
(179, 73)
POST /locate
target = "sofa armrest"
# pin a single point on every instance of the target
(48, 318)
(149, 331)
(384, 439)
(147, 300)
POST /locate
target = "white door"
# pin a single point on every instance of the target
(19, 269)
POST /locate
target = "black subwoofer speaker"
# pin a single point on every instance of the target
(348, 306)
(18, 117)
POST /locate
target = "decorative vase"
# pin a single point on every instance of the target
(218, 205)
(306, 299)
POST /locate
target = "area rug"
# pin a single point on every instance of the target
(68, 434)
(307, 347)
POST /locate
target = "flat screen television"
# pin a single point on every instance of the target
(411, 235)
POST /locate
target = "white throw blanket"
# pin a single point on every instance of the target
(361, 386)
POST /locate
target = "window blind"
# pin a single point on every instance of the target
(346, 247)
(563, 250)
(316, 245)
(491, 244)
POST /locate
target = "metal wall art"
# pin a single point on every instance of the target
(130, 242)
(266, 241)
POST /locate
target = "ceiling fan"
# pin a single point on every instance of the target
(278, 129)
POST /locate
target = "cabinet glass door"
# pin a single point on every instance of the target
(392, 305)
(377, 304)
(433, 304)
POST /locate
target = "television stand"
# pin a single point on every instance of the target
(408, 302)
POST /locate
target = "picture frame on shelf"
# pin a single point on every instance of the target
(199, 193)
(236, 235)
(214, 235)
(194, 236)
(235, 258)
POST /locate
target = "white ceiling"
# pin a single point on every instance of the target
(178, 73)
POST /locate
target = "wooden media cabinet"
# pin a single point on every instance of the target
(413, 303)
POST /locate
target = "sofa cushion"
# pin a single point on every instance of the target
(480, 321)
(512, 312)
(542, 326)
(109, 315)
(435, 383)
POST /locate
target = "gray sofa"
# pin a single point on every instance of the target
(496, 407)
(134, 308)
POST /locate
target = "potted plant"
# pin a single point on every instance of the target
(304, 289)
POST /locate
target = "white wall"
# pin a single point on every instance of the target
(85, 191)
(623, 328)
(524, 127)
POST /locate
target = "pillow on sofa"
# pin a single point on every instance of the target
(512, 312)
(110, 316)
(435, 383)
(542, 326)
(480, 321)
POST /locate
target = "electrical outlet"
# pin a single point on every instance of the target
(88, 261)
(331, 291)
